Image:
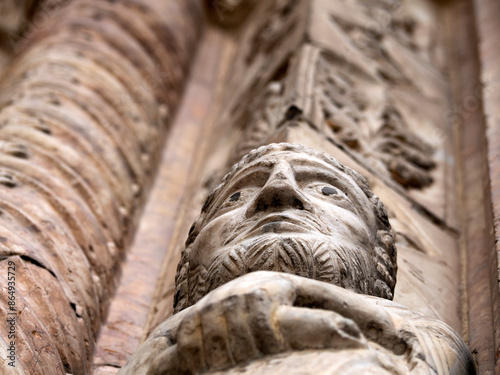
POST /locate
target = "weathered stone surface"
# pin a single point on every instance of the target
(289, 209)
(287, 189)
(285, 322)
(486, 96)
(367, 82)
(55, 341)
(85, 107)
(376, 117)
(264, 45)
(371, 77)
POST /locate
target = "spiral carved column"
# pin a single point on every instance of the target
(84, 110)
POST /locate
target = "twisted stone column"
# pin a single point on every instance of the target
(84, 110)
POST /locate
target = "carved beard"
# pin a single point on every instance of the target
(315, 257)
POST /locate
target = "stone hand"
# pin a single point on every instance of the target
(265, 313)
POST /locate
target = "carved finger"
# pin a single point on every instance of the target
(241, 340)
(303, 328)
(277, 287)
(216, 350)
(372, 319)
(260, 309)
(165, 363)
(190, 344)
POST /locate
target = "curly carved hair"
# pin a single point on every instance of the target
(385, 249)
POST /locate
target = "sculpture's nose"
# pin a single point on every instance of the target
(279, 193)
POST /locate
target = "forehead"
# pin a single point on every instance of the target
(310, 166)
(304, 167)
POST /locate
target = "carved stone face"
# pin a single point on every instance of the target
(286, 194)
(286, 211)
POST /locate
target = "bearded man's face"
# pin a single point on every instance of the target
(286, 212)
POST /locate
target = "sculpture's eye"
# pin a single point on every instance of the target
(234, 197)
(328, 190)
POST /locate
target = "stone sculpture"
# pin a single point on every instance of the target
(290, 268)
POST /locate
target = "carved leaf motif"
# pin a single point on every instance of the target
(406, 155)
(264, 114)
(386, 142)
(274, 30)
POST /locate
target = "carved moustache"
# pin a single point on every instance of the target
(283, 222)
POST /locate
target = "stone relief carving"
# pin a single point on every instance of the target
(383, 138)
(408, 157)
(264, 301)
(272, 33)
(290, 268)
(397, 42)
(392, 46)
(265, 114)
(385, 56)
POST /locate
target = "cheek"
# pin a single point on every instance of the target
(344, 222)
(211, 238)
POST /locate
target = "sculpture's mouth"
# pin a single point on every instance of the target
(279, 223)
(276, 223)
